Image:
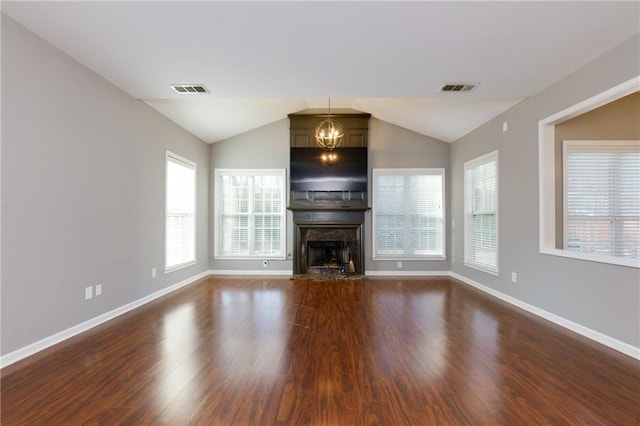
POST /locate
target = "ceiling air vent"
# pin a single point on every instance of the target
(458, 87)
(186, 89)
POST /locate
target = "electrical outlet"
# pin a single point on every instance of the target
(399, 265)
(514, 277)
(154, 272)
(88, 293)
(265, 263)
(98, 289)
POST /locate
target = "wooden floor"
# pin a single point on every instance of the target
(265, 351)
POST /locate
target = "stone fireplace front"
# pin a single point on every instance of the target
(328, 241)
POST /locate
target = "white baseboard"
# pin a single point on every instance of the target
(408, 273)
(251, 272)
(47, 342)
(241, 272)
(609, 341)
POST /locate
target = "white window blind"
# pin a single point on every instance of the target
(408, 213)
(481, 213)
(250, 211)
(180, 212)
(602, 197)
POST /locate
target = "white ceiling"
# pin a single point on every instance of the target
(263, 60)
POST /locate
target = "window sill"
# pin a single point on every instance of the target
(257, 257)
(403, 258)
(619, 261)
(178, 267)
(482, 268)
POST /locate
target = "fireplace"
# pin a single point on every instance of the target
(328, 201)
(328, 241)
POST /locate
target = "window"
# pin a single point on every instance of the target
(180, 212)
(481, 213)
(553, 232)
(250, 213)
(408, 213)
(602, 197)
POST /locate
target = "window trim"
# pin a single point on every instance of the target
(547, 173)
(170, 156)
(437, 171)
(217, 205)
(483, 159)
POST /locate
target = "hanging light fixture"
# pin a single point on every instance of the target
(329, 133)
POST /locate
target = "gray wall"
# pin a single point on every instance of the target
(83, 171)
(602, 297)
(391, 146)
(266, 147)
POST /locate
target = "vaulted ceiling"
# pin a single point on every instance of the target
(263, 60)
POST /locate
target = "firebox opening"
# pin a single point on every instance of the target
(328, 243)
(328, 255)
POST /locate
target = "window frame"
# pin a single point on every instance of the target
(185, 162)
(218, 234)
(468, 165)
(408, 172)
(547, 172)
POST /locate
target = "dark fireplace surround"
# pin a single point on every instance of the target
(328, 224)
(328, 240)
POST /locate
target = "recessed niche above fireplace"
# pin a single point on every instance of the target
(341, 184)
(329, 179)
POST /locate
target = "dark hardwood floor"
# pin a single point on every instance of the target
(265, 351)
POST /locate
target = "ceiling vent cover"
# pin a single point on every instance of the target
(458, 87)
(186, 89)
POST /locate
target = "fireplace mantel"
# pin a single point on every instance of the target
(347, 208)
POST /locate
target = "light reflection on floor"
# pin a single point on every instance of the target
(178, 346)
(262, 345)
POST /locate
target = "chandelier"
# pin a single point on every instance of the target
(329, 133)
